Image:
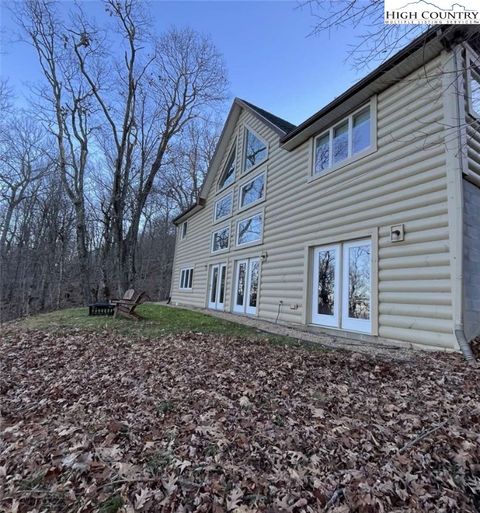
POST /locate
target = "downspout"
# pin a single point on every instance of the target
(460, 120)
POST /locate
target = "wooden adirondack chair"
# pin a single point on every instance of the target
(126, 306)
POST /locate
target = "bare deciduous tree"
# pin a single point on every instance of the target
(124, 104)
(67, 99)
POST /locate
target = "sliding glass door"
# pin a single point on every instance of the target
(341, 292)
(245, 294)
(216, 295)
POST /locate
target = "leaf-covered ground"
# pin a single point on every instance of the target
(208, 423)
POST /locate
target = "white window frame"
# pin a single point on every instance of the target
(186, 278)
(372, 103)
(247, 129)
(183, 230)
(233, 151)
(223, 250)
(244, 184)
(472, 59)
(215, 218)
(254, 242)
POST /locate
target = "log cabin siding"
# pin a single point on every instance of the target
(403, 181)
(471, 225)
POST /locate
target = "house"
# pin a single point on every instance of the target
(363, 221)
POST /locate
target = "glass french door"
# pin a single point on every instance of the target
(326, 271)
(357, 286)
(245, 294)
(342, 286)
(216, 295)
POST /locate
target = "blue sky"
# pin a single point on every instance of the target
(271, 59)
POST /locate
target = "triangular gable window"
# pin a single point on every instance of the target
(255, 150)
(228, 176)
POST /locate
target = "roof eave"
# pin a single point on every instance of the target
(422, 48)
(186, 214)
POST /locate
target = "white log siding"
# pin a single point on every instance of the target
(472, 124)
(404, 181)
(471, 218)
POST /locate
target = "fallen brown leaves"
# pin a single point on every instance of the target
(94, 422)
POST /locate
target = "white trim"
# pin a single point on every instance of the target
(226, 216)
(241, 207)
(186, 275)
(250, 243)
(246, 129)
(223, 250)
(372, 103)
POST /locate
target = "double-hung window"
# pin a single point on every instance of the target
(351, 138)
(252, 192)
(220, 239)
(186, 278)
(250, 230)
(255, 151)
(223, 207)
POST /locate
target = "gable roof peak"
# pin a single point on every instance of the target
(282, 124)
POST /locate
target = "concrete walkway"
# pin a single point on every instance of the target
(312, 335)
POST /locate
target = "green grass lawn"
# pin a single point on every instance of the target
(157, 320)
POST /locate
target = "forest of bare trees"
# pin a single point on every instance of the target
(115, 141)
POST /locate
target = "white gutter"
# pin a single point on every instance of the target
(457, 120)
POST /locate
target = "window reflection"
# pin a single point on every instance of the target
(359, 282)
(326, 282)
(255, 150)
(250, 230)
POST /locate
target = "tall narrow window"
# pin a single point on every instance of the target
(361, 131)
(228, 175)
(183, 232)
(340, 142)
(322, 153)
(255, 150)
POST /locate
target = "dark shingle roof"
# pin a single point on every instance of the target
(284, 125)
